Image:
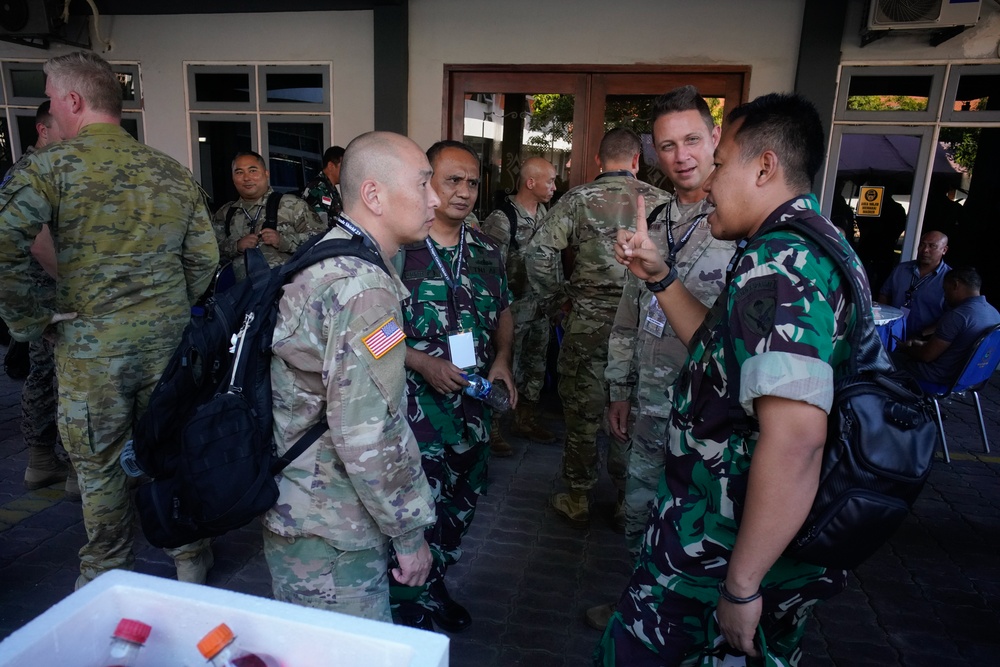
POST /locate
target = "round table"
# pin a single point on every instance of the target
(890, 324)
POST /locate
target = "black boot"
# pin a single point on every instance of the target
(451, 616)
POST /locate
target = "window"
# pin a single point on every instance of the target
(279, 111)
(23, 89)
(930, 136)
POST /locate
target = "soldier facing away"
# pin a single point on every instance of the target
(321, 193)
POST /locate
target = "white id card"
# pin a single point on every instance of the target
(656, 319)
(462, 349)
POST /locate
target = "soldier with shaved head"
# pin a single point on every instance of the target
(512, 226)
(338, 355)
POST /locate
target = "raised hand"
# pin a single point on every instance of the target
(637, 252)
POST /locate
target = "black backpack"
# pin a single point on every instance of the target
(881, 437)
(206, 437)
(270, 213)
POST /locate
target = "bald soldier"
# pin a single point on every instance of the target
(512, 226)
(338, 355)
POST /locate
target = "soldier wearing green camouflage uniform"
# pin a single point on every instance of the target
(38, 394)
(469, 298)
(296, 223)
(321, 193)
(585, 221)
(339, 355)
(135, 251)
(730, 500)
(536, 185)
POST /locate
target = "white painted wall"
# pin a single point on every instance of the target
(763, 34)
(980, 43)
(161, 44)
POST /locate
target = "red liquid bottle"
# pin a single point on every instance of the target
(128, 638)
(220, 649)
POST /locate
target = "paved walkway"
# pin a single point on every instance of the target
(931, 597)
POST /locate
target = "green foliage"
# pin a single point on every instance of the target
(962, 144)
(886, 103)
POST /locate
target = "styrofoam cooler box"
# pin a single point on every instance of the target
(76, 631)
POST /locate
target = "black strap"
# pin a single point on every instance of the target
(270, 213)
(507, 206)
(304, 443)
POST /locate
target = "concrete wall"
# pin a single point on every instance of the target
(763, 34)
(162, 44)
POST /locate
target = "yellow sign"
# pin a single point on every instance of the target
(870, 201)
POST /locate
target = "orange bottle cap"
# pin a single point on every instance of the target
(215, 641)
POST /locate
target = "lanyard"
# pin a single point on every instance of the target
(253, 220)
(452, 279)
(620, 172)
(356, 231)
(914, 286)
(674, 249)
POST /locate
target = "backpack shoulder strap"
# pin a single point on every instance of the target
(507, 206)
(271, 211)
(655, 213)
(229, 218)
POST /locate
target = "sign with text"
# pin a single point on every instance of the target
(870, 201)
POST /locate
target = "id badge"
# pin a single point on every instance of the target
(656, 319)
(462, 349)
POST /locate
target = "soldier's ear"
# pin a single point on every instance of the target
(371, 196)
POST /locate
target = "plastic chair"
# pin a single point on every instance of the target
(980, 365)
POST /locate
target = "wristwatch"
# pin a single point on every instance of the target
(661, 285)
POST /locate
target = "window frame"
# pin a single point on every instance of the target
(948, 112)
(848, 72)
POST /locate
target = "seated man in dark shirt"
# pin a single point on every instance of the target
(940, 359)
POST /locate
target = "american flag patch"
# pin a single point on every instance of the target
(384, 338)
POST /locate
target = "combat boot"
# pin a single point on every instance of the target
(43, 468)
(195, 570)
(526, 424)
(574, 507)
(618, 518)
(598, 617)
(499, 446)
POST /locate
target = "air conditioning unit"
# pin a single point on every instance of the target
(922, 14)
(26, 19)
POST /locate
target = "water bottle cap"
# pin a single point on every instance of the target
(132, 631)
(215, 641)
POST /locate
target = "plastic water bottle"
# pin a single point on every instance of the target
(220, 649)
(128, 638)
(493, 394)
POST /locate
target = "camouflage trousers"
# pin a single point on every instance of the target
(531, 344)
(457, 479)
(38, 397)
(685, 629)
(647, 454)
(99, 399)
(309, 571)
(582, 360)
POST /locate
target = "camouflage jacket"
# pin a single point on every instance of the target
(430, 315)
(586, 220)
(296, 225)
(41, 279)
(497, 226)
(323, 198)
(361, 482)
(642, 365)
(133, 241)
(789, 316)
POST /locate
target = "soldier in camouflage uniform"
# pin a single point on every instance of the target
(536, 185)
(135, 250)
(586, 220)
(644, 354)
(457, 320)
(296, 222)
(338, 355)
(730, 500)
(321, 193)
(38, 394)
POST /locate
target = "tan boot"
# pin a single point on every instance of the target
(526, 424)
(498, 445)
(195, 570)
(574, 507)
(44, 469)
(598, 617)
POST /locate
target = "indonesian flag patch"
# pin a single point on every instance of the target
(383, 339)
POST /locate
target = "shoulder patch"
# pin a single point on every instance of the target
(387, 336)
(756, 304)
